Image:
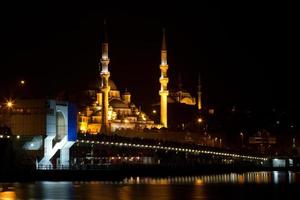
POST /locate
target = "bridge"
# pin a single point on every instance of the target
(133, 146)
(196, 151)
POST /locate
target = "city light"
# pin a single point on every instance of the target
(154, 111)
(22, 82)
(200, 120)
(9, 104)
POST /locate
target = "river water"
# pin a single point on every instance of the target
(251, 185)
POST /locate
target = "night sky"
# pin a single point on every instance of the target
(245, 52)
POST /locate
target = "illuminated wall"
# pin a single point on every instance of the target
(61, 131)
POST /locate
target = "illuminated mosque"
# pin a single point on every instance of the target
(112, 111)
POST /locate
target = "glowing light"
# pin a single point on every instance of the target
(199, 182)
(83, 127)
(154, 111)
(22, 82)
(200, 120)
(8, 195)
(111, 114)
(9, 104)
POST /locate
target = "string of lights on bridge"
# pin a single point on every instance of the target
(169, 148)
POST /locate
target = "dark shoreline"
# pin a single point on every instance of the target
(121, 172)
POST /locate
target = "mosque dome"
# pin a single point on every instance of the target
(117, 103)
(96, 85)
(112, 85)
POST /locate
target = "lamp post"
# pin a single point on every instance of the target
(242, 139)
(202, 124)
(6, 112)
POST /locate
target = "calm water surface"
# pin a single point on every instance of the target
(252, 185)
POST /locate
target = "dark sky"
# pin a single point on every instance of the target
(245, 52)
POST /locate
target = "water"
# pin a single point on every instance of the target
(252, 185)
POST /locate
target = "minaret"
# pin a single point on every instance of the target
(163, 83)
(199, 103)
(105, 88)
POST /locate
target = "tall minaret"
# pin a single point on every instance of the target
(105, 88)
(199, 103)
(163, 84)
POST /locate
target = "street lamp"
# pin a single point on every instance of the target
(200, 120)
(9, 104)
(242, 138)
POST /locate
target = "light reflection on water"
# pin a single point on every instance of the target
(231, 178)
(220, 186)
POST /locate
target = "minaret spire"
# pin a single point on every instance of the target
(199, 103)
(105, 88)
(163, 83)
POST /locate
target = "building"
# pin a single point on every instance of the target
(122, 113)
(263, 142)
(111, 111)
(178, 108)
(181, 95)
(45, 128)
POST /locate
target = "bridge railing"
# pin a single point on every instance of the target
(166, 145)
(50, 167)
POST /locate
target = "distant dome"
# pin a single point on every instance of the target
(117, 103)
(95, 85)
(112, 85)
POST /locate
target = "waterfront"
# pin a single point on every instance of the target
(251, 185)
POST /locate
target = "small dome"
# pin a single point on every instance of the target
(117, 103)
